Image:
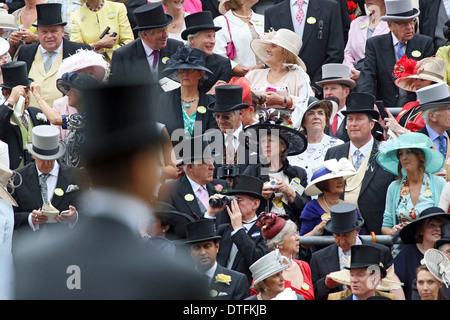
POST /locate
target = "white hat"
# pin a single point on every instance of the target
(399, 10)
(4, 45)
(268, 265)
(329, 169)
(46, 144)
(7, 21)
(284, 38)
(5, 177)
(336, 73)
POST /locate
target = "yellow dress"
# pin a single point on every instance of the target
(87, 25)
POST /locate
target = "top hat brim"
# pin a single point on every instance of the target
(375, 115)
(53, 156)
(3, 85)
(213, 107)
(202, 239)
(409, 15)
(198, 28)
(168, 21)
(435, 104)
(347, 82)
(43, 24)
(246, 193)
(358, 224)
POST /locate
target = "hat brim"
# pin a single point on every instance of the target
(213, 107)
(30, 80)
(246, 193)
(440, 242)
(259, 47)
(348, 82)
(359, 222)
(406, 83)
(435, 104)
(375, 115)
(55, 156)
(169, 21)
(168, 71)
(388, 17)
(312, 190)
(408, 232)
(49, 24)
(198, 28)
(269, 274)
(203, 239)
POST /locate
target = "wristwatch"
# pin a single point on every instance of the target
(9, 105)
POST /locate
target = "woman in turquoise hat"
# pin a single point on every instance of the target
(413, 159)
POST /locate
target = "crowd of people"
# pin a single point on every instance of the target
(201, 141)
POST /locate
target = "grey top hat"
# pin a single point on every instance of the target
(399, 10)
(344, 218)
(433, 96)
(336, 73)
(46, 144)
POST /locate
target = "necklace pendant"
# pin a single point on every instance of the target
(187, 105)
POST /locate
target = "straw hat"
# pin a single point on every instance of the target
(336, 73)
(329, 169)
(268, 265)
(431, 68)
(387, 156)
(399, 10)
(284, 38)
(7, 21)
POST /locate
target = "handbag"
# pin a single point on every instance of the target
(231, 49)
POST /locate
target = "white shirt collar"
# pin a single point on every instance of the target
(365, 149)
(195, 186)
(210, 272)
(147, 49)
(395, 40)
(44, 52)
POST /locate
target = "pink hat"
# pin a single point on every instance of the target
(83, 59)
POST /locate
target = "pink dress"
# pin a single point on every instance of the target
(61, 106)
(193, 6)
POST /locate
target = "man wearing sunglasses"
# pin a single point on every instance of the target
(384, 51)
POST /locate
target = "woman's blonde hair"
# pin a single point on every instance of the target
(233, 4)
(288, 57)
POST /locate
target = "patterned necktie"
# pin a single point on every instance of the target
(400, 52)
(300, 14)
(43, 184)
(203, 196)
(334, 124)
(443, 145)
(155, 55)
(230, 149)
(49, 62)
(359, 157)
(24, 120)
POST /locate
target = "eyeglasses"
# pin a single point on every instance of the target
(223, 116)
(66, 77)
(404, 24)
(186, 70)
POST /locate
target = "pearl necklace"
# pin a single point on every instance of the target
(95, 9)
(327, 203)
(243, 17)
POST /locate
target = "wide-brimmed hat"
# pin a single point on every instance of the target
(329, 169)
(75, 80)
(336, 73)
(176, 219)
(151, 16)
(49, 14)
(82, 59)
(344, 218)
(271, 224)
(387, 155)
(408, 232)
(7, 21)
(247, 185)
(15, 74)
(438, 264)
(5, 178)
(267, 266)
(399, 10)
(201, 230)
(295, 141)
(195, 150)
(433, 96)
(364, 256)
(186, 58)
(359, 102)
(228, 98)
(431, 68)
(45, 143)
(4, 46)
(198, 21)
(284, 38)
(445, 235)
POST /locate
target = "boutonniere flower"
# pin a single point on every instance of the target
(223, 278)
(41, 117)
(218, 188)
(165, 59)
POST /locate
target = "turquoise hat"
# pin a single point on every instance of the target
(387, 156)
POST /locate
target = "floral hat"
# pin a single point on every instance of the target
(271, 224)
(387, 156)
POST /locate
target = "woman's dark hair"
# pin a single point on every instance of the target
(420, 155)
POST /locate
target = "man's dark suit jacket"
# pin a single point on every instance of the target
(250, 246)
(129, 63)
(323, 40)
(326, 260)
(12, 135)
(174, 192)
(377, 72)
(428, 19)
(221, 69)
(27, 52)
(172, 116)
(238, 289)
(372, 196)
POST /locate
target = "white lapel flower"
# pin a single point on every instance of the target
(41, 117)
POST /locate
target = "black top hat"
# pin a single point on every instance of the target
(15, 74)
(445, 235)
(151, 16)
(49, 14)
(201, 230)
(116, 122)
(186, 58)
(344, 218)
(197, 22)
(177, 220)
(247, 185)
(364, 256)
(295, 141)
(195, 149)
(408, 232)
(75, 80)
(228, 98)
(360, 102)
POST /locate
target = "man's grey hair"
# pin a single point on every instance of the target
(194, 35)
(426, 114)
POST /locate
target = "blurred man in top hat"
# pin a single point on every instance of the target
(382, 53)
(200, 33)
(242, 243)
(16, 126)
(46, 182)
(345, 227)
(371, 179)
(145, 57)
(190, 193)
(43, 58)
(224, 283)
(88, 263)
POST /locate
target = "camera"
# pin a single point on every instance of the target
(273, 183)
(220, 202)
